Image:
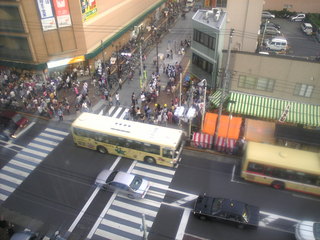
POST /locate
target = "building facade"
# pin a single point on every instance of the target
(207, 43)
(279, 77)
(244, 17)
(34, 33)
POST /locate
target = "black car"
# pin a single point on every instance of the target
(232, 211)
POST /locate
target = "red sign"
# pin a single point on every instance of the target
(61, 8)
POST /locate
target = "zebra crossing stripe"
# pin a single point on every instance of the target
(151, 175)
(22, 164)
(117, 112)
(127, 216)
(51, 136)
(155, 168)
(49, 149)
(124, 113)
(15, 171)
(57, 132)
(111, 110)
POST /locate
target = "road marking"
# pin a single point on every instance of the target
(124, 113)
(103, 213)
(25, 129)
(184, 200)
(85, 207)
(101, 112)
(183, 224)
(111, 110)
(275, 216)
(83, 210)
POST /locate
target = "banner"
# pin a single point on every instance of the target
(88, 8)
(62, 13)
(46, 14)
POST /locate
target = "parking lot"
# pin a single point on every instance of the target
(299, 43)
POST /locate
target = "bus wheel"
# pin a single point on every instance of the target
(150, 160)
(102, 149)
(277, 185)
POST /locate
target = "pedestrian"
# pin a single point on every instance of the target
(60, 114)
(117, 96)
(133, 99)
(171, 53)
(120, 83)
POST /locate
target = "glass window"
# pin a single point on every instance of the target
(303, 90)
(167, 152)
(255, 167)
(262, 84)
(222, 3)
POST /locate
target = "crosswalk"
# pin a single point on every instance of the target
(22, 164)
(116, 112)
(123, 219)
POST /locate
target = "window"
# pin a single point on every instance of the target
(201, 63)
(222, 3)
(258, 83)
(303, 90)
(167, 152)
(204, 39)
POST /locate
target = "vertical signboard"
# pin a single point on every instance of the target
(88, 8)
(62, 13)
(46, 14)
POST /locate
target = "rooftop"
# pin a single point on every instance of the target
(212, 18)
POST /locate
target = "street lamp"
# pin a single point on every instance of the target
(203, 83)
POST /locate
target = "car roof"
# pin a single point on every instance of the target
(308, 24)
(124, 178)
(233, 206)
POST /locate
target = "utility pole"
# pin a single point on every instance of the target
(104, 63)
(264, 32)
(157, 52)
(225, 77)
(142, 83)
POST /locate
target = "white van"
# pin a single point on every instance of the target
(190, 3)
(276, 44)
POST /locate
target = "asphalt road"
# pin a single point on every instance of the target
(53, 196)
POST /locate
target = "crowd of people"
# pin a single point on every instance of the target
(39, 93)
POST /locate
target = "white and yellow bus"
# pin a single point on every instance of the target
(282, 167)
(140, 141)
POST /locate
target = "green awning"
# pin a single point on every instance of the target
(272, 108)
(215, 98)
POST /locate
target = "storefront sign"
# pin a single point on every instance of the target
(62, 12)
(88, 8)
(66, 61)
(47, 19)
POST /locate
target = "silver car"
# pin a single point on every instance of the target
(131, 185)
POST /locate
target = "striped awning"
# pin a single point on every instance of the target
(272, 108)
(215, 98)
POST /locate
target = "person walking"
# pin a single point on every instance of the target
(60, 114)
(117, 96)
(120, 83)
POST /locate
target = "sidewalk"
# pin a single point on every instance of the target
(170, 41)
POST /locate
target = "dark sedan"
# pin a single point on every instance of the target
(232, 211)
(12, 122)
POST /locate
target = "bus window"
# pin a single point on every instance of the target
(166, 152)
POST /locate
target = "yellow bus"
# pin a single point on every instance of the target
(282, 167)
(140, 141)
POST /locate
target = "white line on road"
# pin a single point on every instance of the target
(183, 224)
(25, 129)
(85, 207)
(83, 210)
(103, 213)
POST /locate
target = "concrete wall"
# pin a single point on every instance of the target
(306, 6)
(284, 70)
(244, 16)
